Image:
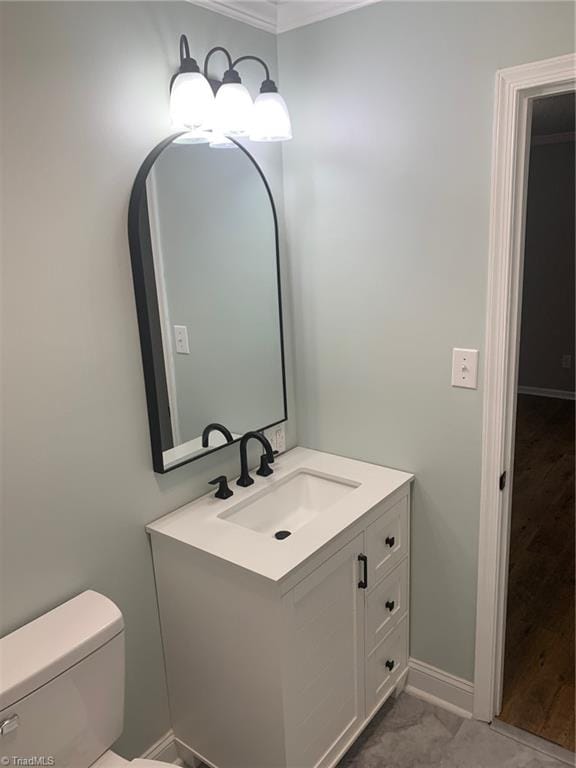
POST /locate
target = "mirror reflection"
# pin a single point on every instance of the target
(216, 357)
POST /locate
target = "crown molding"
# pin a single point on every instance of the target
(258, 13)
(279, 16)
(299, 13)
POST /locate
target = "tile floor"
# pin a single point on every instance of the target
(409, 733)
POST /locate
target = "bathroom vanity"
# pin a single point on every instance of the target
(279, 650)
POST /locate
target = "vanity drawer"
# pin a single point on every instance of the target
(387, 541)
(386, 604)
(380, 679)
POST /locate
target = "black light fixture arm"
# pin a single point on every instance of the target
(211, 52)
(184, 49)
(231, 75)
(252, 58)
(268, 86)
(187, 63)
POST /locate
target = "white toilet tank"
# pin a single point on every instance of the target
(62, 685)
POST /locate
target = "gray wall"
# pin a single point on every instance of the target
(387, 201)
(547, 332)
(218, 249)
(84, 98)
(388, 184)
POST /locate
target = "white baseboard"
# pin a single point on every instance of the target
(561, 394)
(440, 688)
(163, 750)
(190, 757)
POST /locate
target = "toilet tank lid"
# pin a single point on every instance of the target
(39, 651)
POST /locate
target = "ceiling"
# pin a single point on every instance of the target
(278, 16)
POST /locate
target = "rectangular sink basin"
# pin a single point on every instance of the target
(291, 504)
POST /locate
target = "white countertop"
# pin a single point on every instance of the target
(198, 524)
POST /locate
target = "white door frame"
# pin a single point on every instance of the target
(516, 88)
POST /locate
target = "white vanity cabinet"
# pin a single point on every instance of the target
(323, 671)
(286, 673)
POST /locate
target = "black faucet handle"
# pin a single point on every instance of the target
(223, 491)
(274, 454)
(265, 469)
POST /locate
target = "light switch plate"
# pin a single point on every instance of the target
(181, 340)
(277, 437)
(465, 368)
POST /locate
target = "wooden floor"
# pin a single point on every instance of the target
(539, 658)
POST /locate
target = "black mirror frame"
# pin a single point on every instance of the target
(148, 311)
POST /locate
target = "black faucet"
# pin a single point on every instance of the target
(215, 427)
(245, 480)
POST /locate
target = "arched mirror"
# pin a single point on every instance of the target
(203, 237)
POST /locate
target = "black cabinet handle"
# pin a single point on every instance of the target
(390, 605)
(363, 583)
(390, 665)
(390, 541)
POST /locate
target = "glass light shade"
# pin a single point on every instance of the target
(221, 142)
(191, 100)
(270, 119)
(233, 110)
(197, 136)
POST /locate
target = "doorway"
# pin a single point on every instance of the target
(517, 91)
(538, 689)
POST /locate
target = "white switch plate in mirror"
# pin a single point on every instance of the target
(465, 368)
(277, 437)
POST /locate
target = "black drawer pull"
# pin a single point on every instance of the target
(363, 583)
(390, 605)
(390, 665)
(390, 541)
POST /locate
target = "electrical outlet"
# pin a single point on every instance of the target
(277, 437)
(566, 361)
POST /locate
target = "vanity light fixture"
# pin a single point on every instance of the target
(226, 108)
(191, 97)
